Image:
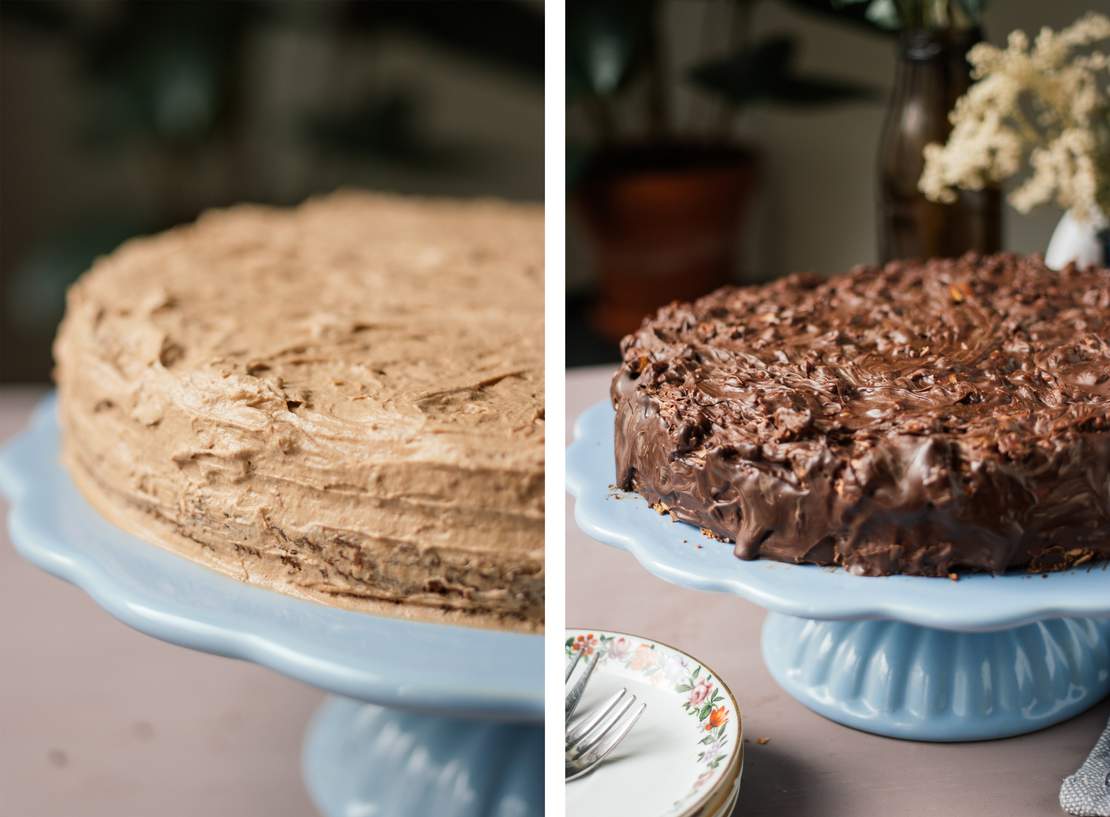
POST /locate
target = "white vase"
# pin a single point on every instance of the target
(1085, 242)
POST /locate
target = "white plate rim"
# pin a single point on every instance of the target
(709, 804)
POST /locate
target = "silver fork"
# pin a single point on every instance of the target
(574, 694)
(594, 736)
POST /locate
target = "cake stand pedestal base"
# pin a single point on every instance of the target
(919, 683)
(362, 759)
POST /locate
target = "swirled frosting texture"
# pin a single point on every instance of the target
(917, 418)
(342, 401)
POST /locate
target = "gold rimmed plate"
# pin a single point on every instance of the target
(684, 757)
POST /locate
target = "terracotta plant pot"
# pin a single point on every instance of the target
(665, 223)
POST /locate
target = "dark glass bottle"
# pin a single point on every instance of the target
(932, 73)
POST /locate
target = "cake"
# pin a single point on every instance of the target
(918, 418)
(341, 401)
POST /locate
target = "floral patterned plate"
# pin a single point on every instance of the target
(684, 757)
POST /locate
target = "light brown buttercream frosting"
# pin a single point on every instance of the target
(342, 401)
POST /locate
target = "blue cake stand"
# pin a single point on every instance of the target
(904, 656)
(426, 718)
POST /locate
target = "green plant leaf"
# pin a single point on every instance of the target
(848, 12)
(501, 34)
(974, 9)
(386, 125)
(766, 73)
(606, 39)
(885, 14)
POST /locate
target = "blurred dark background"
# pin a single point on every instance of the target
(741, 140)
(120, 118)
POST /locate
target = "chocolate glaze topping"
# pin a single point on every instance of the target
(916, 418)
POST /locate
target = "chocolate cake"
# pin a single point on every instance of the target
(341, 401)
(916, 418)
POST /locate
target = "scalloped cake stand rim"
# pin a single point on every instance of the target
(429, 667)
(679, 553)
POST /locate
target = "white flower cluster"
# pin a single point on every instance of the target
(1044, 108)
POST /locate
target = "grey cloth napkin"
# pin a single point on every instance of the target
(1087, 792)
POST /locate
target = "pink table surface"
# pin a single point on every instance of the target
(98, 719)
(811, 766)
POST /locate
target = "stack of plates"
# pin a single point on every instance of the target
(685, 756)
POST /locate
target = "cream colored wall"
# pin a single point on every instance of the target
(816, 208)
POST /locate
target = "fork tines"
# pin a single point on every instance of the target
(590, 740)
(575, 693)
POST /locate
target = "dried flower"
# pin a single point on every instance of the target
(1043, 108)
